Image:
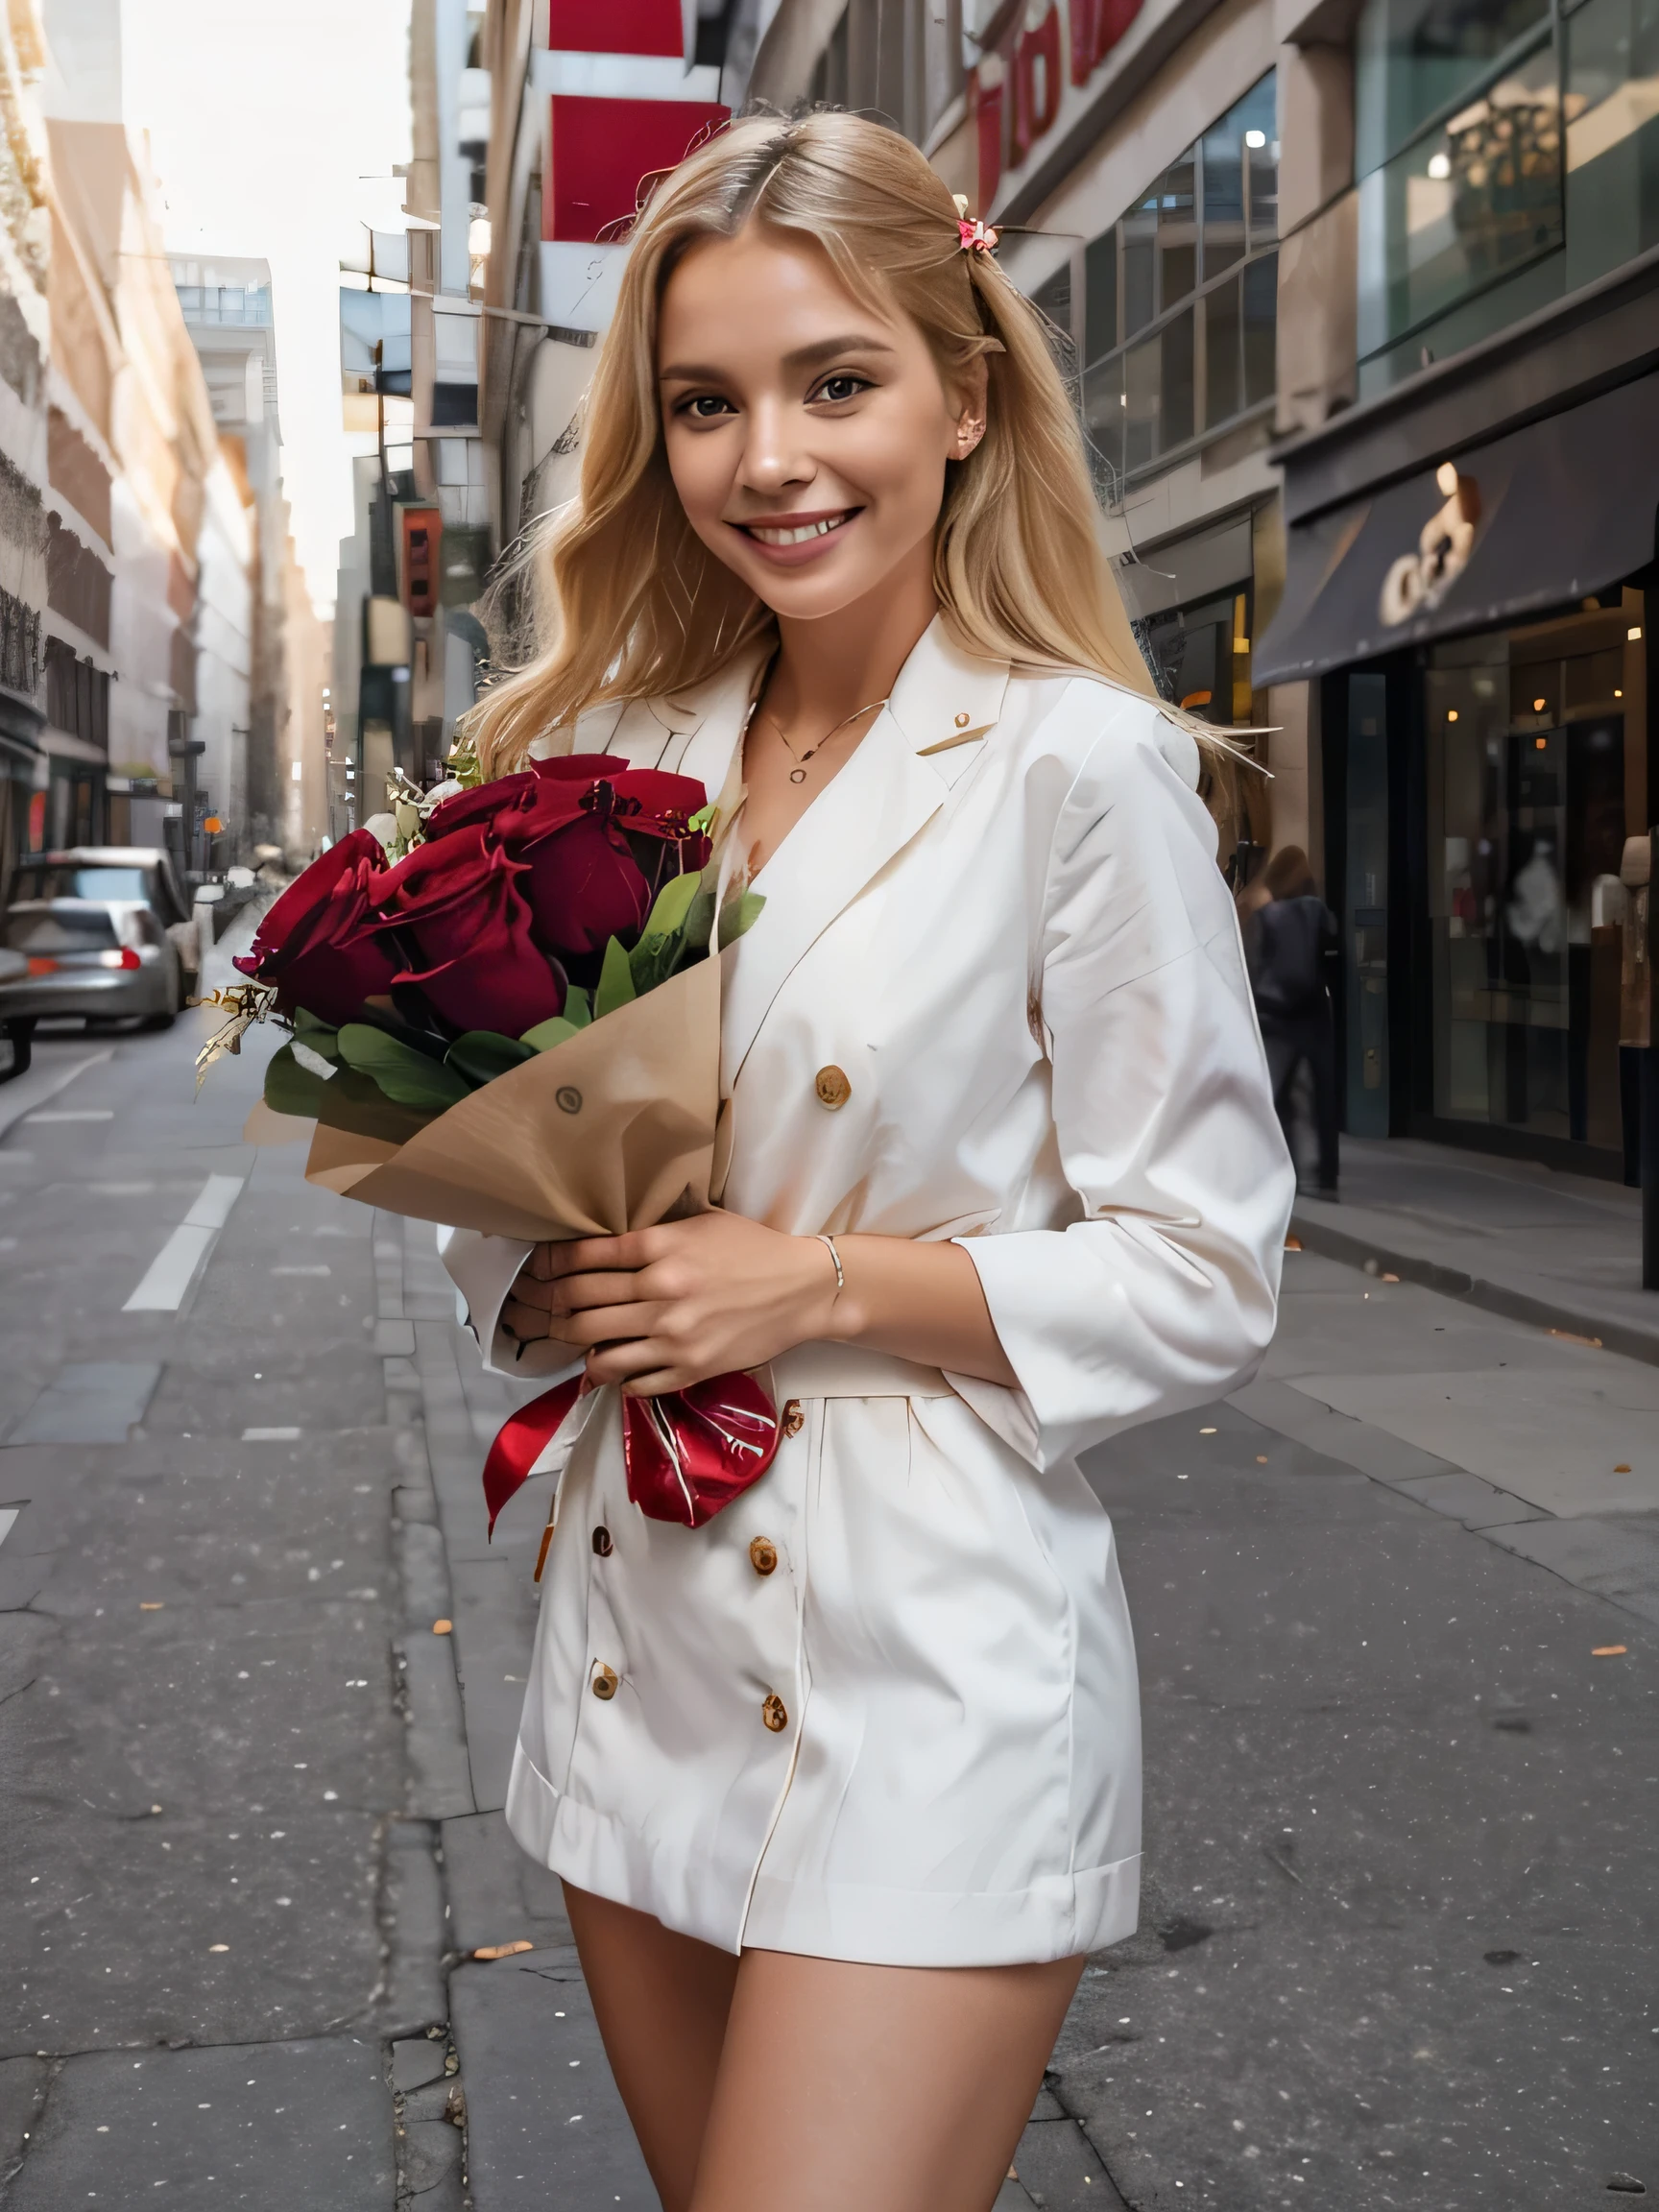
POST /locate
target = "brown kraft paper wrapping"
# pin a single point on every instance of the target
(612, 1130)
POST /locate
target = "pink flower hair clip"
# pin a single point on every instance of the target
(973, 235)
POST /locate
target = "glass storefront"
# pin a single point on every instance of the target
(1536, 774)
(1507, 152)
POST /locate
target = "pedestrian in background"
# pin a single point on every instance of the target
(1286, 943)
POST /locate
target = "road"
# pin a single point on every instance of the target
(1402, 1845)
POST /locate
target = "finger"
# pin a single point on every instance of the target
(539, 1267)
(583, 1254)
(579, 1292)
(604, 1325)
(633, 1362)
(525, 1322)
(629, 1253)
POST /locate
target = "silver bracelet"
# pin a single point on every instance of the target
(828, 1244)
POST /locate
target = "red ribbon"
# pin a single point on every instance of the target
(688, 1452)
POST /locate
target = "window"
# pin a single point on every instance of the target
(1178, 309)
(1507, 151)
(1474, 197)
(1612, 152)
(1412, 59)
(77, 694)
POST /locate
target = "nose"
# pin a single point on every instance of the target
(774, 458)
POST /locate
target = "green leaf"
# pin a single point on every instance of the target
(578, 1009)
(319, 1035)
(407, 1077)
(699, 923)
(672, 901)
(737, 915)
(704, 819)
(615, 981)
(483, 1054)
(290, 1088)
(546, 1034)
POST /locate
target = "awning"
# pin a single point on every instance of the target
(1549, 515)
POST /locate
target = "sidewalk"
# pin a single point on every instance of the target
(1559, 1251)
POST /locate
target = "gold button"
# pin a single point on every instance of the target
(961, 721)
(775, 1712)
(605, 1681)
(833, 1088)
(602, 1543)
(793, 1417)
(762, 1555)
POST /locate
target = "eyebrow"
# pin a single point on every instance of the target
(802, 357)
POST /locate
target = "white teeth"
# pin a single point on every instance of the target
(796, 537)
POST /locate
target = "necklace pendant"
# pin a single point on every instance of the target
(797, 775)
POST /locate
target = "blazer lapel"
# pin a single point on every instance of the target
(888, 791)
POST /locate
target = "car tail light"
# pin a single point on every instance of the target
(126, 958)
(42, 967)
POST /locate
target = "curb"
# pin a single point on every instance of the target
(1632, 1341)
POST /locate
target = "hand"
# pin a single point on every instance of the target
(661, 1308)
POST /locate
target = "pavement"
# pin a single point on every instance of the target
(1560, 1251)
(259, 1678)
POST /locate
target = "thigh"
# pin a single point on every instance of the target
(1284, 1057)
(661, 2001)
(894, 2088)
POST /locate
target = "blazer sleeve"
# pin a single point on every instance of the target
(483, 1270)
(1162, 1293)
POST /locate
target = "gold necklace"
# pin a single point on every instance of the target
(798, 774)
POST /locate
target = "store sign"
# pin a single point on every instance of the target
(1417, 582)
(1016, 88)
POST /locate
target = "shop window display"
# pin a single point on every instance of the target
(1536, 756)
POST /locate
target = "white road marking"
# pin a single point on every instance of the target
(79, 1114)
(302, 1270)
(43, 1081)
(270, 1435)
(7, 1515)
(173, 1270)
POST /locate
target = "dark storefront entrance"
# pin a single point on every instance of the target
(1485, 799)
(1487, 782)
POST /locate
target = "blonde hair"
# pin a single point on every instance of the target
(635, 605)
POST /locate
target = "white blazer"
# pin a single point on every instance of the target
(884, 1706)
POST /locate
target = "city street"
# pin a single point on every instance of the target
(258, 1683)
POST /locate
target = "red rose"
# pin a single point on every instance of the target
(459, 907)
(321, 943)
(585, 888)
(592, 831)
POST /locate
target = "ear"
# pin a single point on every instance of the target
(971, 393)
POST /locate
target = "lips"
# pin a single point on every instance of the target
(800, 533)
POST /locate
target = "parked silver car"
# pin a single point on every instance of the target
(98, 926)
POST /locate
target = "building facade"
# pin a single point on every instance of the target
(25, 239)
(1471, 491)
(1131, 152)
(148, 638)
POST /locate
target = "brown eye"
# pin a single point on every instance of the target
(836, 389)
(707, 407)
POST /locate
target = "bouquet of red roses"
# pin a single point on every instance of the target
(505, 1017)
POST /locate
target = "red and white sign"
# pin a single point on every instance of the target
(1016, 91)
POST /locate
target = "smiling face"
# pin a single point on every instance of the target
(807, 433)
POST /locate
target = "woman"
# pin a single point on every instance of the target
(845, 1785)
(1288, 938)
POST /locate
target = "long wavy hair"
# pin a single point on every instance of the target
(631, 604)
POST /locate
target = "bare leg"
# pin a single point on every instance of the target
(892, 2088)
(661, 2001)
